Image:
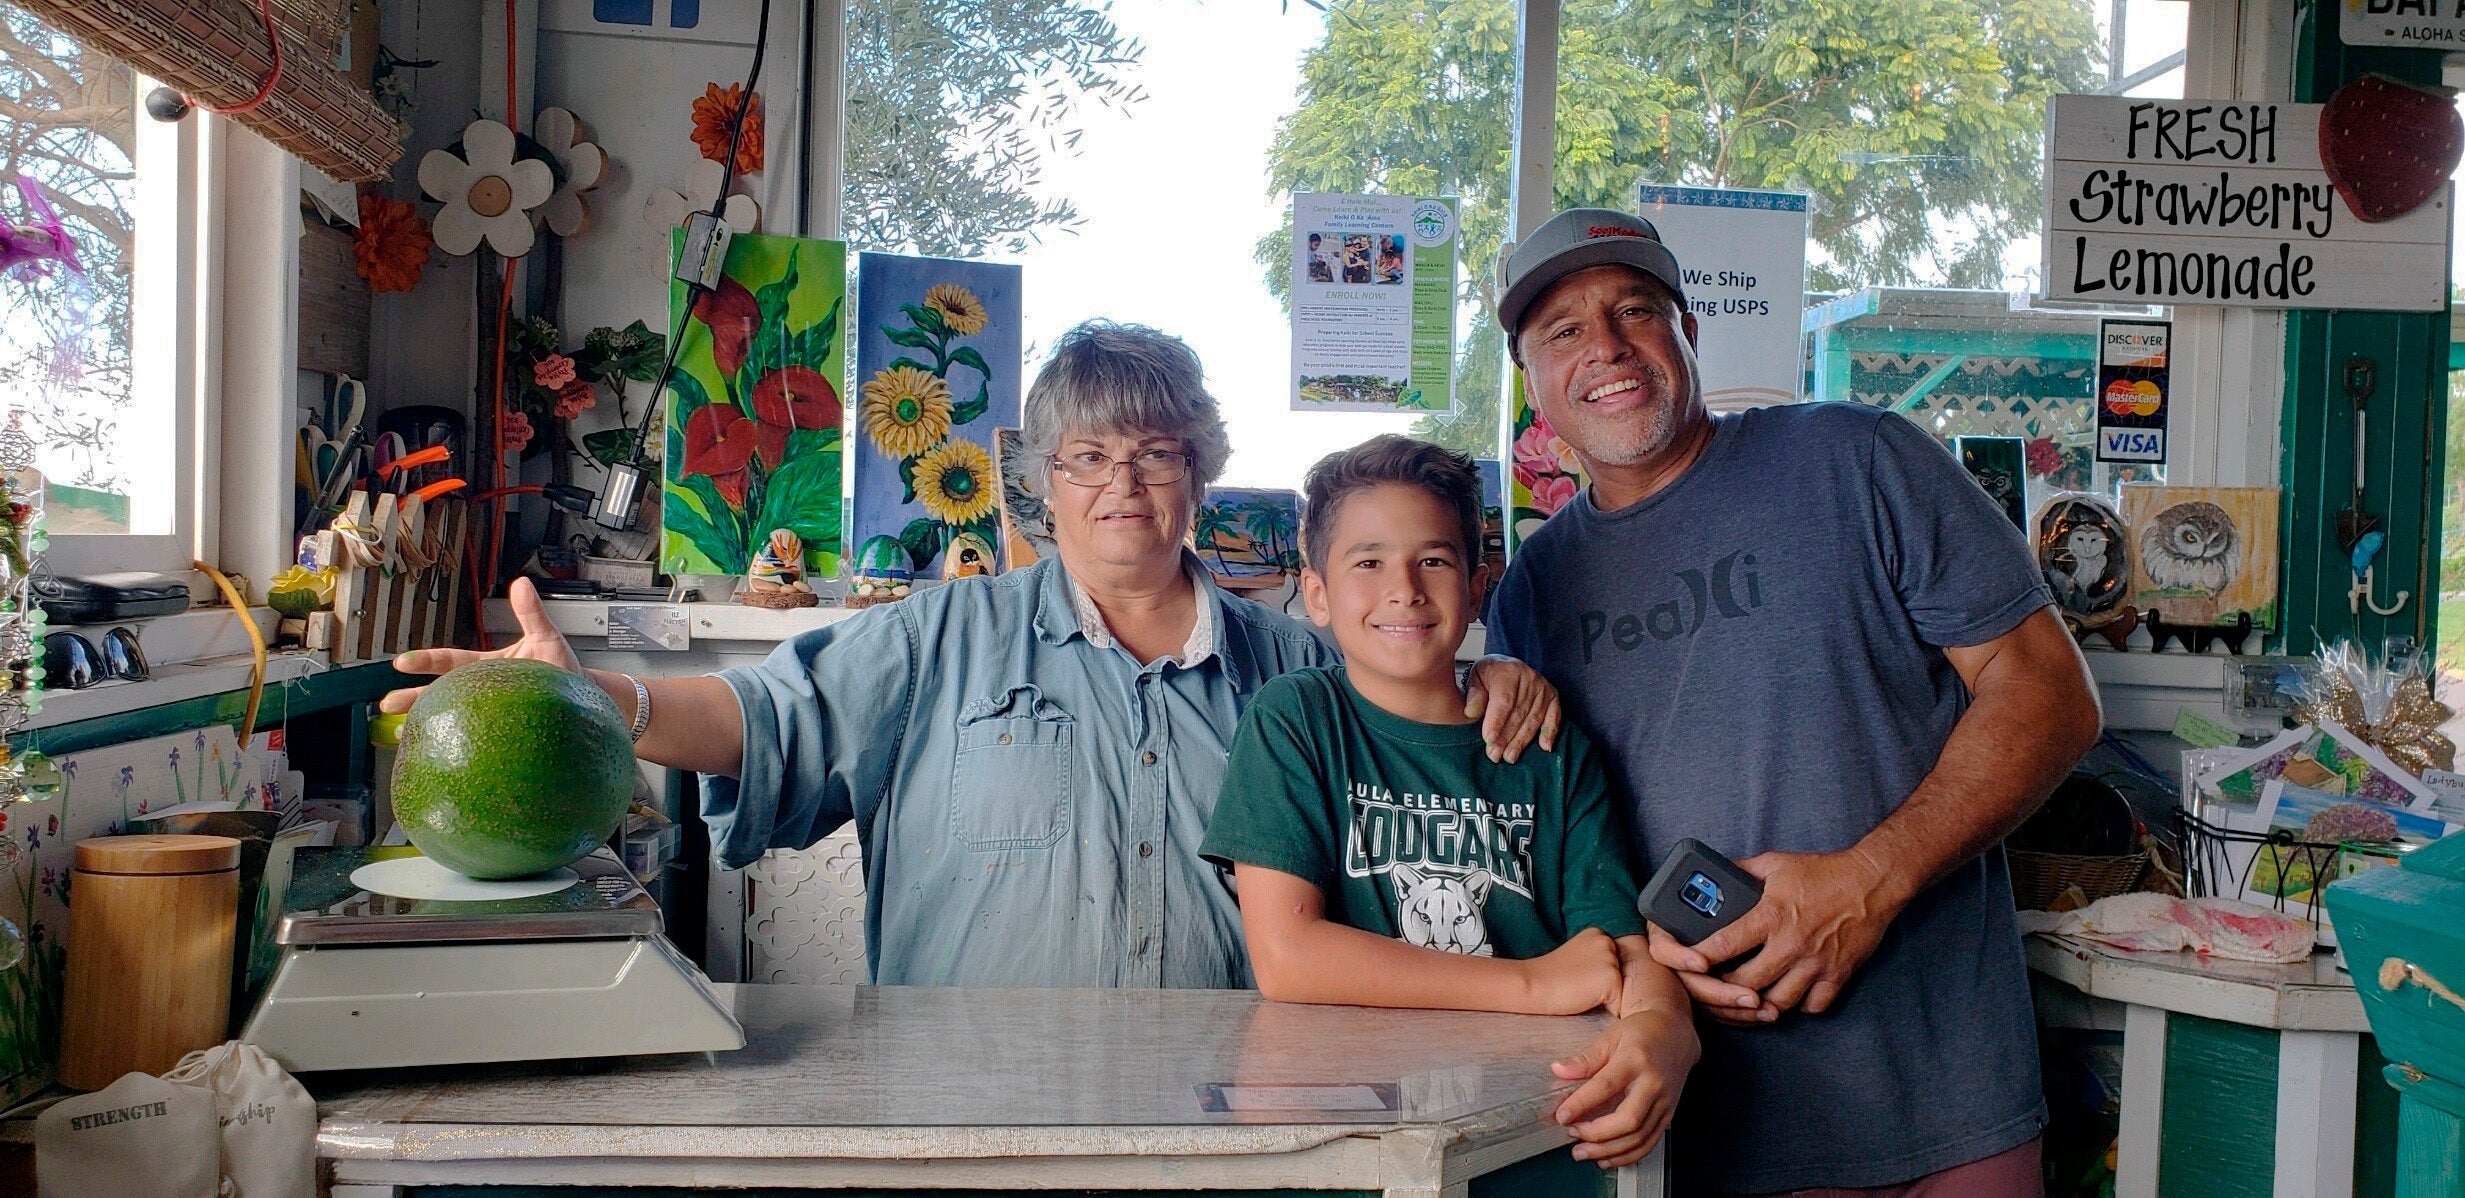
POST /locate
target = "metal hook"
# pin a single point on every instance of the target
(2362, 594)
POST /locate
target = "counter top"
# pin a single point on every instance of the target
(2312, 995)
(900, 1074)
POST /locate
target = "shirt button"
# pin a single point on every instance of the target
(1146, 849)
(1005, 738)
(1147, 758)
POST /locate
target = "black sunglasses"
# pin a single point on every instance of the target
(70, 661)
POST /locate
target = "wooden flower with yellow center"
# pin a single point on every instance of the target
(955, 482)
(959, 308)
(906, 411)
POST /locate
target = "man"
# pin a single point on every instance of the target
(1804, 637)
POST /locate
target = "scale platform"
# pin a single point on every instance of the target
(369, 980)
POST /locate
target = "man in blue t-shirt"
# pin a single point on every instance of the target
(1804, 637)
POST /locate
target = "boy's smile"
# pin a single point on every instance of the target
(1397, 594)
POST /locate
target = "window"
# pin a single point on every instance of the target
(1141, 164)
(106, 421)
(1918, 134)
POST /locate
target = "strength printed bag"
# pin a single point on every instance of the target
(140, 1135)
(269, 1124)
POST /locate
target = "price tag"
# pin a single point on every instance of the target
(653, 628)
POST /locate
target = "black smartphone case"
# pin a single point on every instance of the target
(1697, 892)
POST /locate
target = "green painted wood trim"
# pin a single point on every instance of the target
(2217, 1137)
(2430, 1135)
(2375, 1124)
(1984, 343)
(2405, 453)
(1924, 387)
(340, 687)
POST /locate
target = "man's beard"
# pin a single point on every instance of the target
(1630, 441)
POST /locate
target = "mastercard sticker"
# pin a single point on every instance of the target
(2133, 397)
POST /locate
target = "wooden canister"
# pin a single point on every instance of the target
(150, 923)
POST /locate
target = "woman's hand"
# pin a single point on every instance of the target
(1578, 976)
(1515, 705)
(540, 642)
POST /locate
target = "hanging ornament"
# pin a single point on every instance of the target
(28, 248)
(487, 191)
(16, 448)
(586, 167)
(2389, 146)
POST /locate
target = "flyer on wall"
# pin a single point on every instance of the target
(1373, 303)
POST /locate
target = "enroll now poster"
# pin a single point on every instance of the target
(1373, 303)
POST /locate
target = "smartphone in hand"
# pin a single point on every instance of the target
(1697, 892)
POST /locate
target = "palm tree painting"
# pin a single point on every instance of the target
(1250, 540)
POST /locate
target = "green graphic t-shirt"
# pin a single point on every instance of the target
(1412, 832)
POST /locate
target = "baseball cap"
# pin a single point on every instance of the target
(1579, 238)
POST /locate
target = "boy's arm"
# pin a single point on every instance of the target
(1299, 955)
(1632, 1074)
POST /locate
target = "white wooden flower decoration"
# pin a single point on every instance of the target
(586, 167)
(667, 209)
(487, 193)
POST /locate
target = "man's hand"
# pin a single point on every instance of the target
(1578, 976)
(1729, 1003)
(540, 642)
(1516, 706)
(1631, 1076)
(1821, 916)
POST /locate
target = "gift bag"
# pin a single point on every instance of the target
(138, 1135)
(269, 1124)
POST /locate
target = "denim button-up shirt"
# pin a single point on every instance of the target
(1030, 802)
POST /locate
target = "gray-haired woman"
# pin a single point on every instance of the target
(1030, 759)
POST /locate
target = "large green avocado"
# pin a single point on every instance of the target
(511, 767)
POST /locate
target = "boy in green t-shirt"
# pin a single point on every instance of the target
(1384, 860)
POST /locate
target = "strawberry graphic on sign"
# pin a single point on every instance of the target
(2389, 146)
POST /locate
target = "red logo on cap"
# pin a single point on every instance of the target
(1611, 231)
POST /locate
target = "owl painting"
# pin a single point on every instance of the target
(2190, 546)
(2081, 550)
(2204, 556)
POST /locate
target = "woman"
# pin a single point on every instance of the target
(1030, 759)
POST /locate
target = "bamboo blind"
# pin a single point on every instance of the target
(215, 51)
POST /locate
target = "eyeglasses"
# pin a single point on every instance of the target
(1153, 468)
(70, 661)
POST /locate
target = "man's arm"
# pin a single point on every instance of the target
(1300, 955)
(2032, 714)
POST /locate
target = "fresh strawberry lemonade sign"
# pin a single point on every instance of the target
(2209, 202)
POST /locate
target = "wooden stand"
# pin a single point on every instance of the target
(151, 921)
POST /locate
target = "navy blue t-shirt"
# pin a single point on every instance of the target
(1757, 651)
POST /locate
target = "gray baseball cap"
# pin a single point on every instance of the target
(1579, 238)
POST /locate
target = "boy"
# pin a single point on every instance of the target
(1383, 860)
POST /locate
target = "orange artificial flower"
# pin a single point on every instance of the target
(391, 247)
(714, 113)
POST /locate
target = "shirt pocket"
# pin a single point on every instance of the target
(1011, 786)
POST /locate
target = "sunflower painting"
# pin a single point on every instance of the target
(754, 413)
(938, 351)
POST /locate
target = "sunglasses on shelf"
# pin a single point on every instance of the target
(71, 662)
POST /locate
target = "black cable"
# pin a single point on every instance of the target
(695, 291)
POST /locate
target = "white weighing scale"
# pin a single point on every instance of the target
(563, 968)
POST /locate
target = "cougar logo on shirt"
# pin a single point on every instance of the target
(1730, 590)
(1431, 834)
(1440, 912)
